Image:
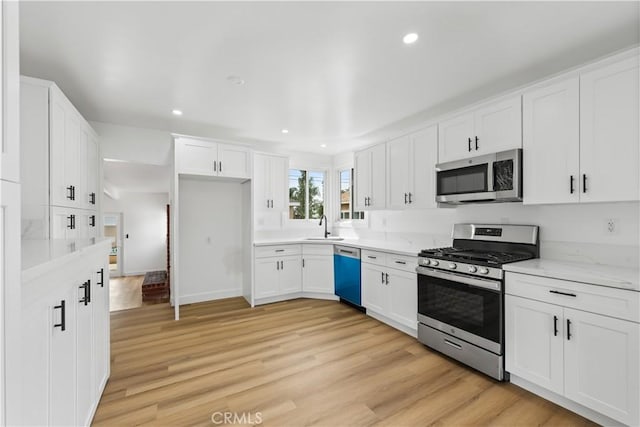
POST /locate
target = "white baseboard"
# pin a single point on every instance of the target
(209, 296)
(564, 402)
(295, 295)
(397, 325)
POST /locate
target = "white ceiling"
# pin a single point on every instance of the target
(136, 178)
(333, 72)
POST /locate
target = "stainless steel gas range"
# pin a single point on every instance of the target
(461, 292)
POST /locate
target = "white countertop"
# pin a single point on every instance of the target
(603, 275)
(40, 255)
(401, 248)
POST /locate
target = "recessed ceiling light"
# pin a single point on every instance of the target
(176, 112)
(410, 38)
(235, 80)
(285, 130)
(323, 145)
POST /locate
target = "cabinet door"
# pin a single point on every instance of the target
(64, 223)
(278, 183)
(261, 183)
(267, 275)
(197, 157)
(374, 289)
(609, 123)
(82, 190)
(423, 159)
(454, 136)
(100, 301)
(601, 364)
(534, 342)
(62, 361)
(290, 274)
(233, 161)
(85, 391)
(64, 151)
(398, 160)
(10, 78)
(551, 143)
(403, 297)
(498, 126)
(378, 177)
(92, 172)
(317, 274)
(362, 184)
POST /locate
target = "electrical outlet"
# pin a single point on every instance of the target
(612, 226)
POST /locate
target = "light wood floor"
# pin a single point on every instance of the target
(301, 362)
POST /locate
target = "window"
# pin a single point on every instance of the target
(306, 194)
(346, 196)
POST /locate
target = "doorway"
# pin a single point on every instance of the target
(113, 231)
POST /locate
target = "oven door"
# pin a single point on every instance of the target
(466, 307)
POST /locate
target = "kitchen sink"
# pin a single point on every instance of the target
(325, 238)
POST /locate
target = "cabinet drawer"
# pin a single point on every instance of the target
(317, 249)
(582, 296)
(402, 262)
(373, 257)
(277, 250)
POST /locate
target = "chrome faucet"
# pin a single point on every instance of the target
(326, 233)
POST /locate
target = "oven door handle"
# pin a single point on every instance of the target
(492, 285)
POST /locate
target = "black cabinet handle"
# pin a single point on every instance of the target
(405, 198)
(86, 287)
(410, 201)
(215, 166)
(92, 198)
(382, 280)
(92, 220)
(387, 279)
(555, 326)
(571, 184)
(101, 273)
(279, 250)
(281, 265)
(63, 315)
(476, 142)
(584, 182)
(469, 144)
(563, 293)
(302, 262)
(568, 330)
(72, 192)
(220, 168)
(72, 222)
(401, 262)
(277, 265)
(372, 257)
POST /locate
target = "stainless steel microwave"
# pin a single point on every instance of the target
(495, 177)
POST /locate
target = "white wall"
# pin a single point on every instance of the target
(210, 239)
(145, 221)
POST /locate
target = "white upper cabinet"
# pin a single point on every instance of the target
(609, 139)
(551, 143)
(370, 182)
(489, 128)
(580, 136)
(9, 89)
(456, 138)
(269, 190)
(411, 164)
(200, 157)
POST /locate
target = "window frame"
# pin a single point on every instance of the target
(351, 222)
(325, 192)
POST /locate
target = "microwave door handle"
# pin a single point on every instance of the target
(490, 183)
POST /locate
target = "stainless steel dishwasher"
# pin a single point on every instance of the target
(346, 270)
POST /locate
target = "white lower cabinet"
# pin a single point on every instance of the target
(277, 270)
(389, 288)
(317, 269)
(65, 340)
(589, 358)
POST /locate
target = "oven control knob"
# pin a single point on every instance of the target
(452, 265)
(426, 262)
(434, 262)
(484, 271)
(472, 269)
